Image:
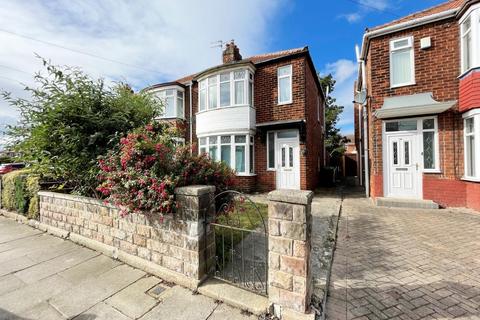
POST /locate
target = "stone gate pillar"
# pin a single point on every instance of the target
(289, 244)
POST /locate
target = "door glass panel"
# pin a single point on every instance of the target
(283, 157)
(290, 156)
(271, 150)
(407, 152)
(428, 150)
(287, 134)
(402, 125)
(395, 153)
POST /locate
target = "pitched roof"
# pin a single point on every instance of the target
(256, 60)
(449, 5)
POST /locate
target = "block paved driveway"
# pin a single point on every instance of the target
(405, 264)
(44, 277)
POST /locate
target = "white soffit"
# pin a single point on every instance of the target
(412, 105)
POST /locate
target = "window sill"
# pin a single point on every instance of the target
(284, 103)
(170, 118)
(432, 171)
(227, 107)
(271, 169)
(403, 85)
(245, 174)
(471, 179)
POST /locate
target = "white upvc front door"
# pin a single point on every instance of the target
(288, 163)
(403, 173)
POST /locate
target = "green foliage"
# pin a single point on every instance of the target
(334, 141)
(21, 199)
(70, 120)
(142, 173)
(5, 159)
(19, 192)
(8, 189)
(32, 188)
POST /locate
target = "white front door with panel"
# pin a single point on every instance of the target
(403, 172)
(288, 162)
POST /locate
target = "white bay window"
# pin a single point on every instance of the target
(236, 151)
(472, 144)
(402, 65)
(173, 102)
(226, 89)
(470, 39)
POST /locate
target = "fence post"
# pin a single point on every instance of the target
(289, 244)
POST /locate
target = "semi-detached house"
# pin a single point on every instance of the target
(418, 106)
(263, 116)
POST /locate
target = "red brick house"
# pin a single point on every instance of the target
(417, 111)
(262, 115)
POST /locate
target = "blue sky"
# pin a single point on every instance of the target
(145, 42)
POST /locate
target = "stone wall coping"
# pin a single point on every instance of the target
(72, 197)
(291, 196)
(194, 190)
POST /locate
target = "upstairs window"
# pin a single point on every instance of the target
(466, 29)
(231, 88)
(173, 106)
(470, 39)
(284, 75)
(402, 66)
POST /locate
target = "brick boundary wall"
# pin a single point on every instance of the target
(174, 246)
(289, 241)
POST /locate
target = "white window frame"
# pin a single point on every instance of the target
(179, 93)
(475, 115)
(411, 47)
(419, 132)
(290, 75)
(246, 87)
(249, 140)
(436, 155)
(473, 13)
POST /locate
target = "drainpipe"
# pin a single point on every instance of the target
(190, 88)
(360, 143)
(361, 63)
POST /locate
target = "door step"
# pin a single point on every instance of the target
(406, 203)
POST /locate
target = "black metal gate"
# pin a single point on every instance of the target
(241, 241)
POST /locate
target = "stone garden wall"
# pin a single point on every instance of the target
(290, 227)
(174, 243)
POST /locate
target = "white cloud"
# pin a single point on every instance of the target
(171, 37)
(364, 7)
(344, 71)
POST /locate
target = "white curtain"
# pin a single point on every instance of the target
(401, 67)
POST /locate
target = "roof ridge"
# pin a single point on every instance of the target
(268, 54)
(450, 4)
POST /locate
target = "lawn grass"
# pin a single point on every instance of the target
(245, 217)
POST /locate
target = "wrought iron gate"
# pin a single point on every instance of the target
(241, 242)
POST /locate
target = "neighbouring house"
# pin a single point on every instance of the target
(262, 115)
(417, 111)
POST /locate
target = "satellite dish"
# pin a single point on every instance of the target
(360, 97)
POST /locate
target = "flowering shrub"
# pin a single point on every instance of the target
(142, 174)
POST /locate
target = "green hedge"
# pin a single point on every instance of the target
(19, 193)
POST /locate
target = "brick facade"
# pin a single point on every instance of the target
(437, 70)
(305, 93)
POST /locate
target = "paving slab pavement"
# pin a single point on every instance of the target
(43, 277)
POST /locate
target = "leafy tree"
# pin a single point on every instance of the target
(334, 141)
(70, 120)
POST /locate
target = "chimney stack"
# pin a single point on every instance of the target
(231, 53)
